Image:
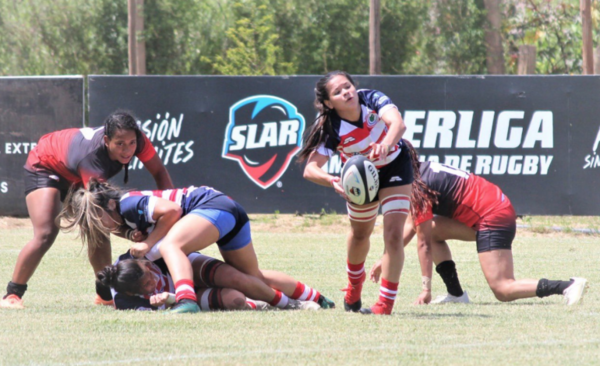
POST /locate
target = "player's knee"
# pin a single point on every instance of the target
(44, 238)
(502, 293)
(392, 236)
(233, 300)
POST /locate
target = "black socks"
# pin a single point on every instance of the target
(15, 289)
(546, 287)
(447, 270)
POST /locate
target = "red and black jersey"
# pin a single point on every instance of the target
(77, 154)
(463, 196)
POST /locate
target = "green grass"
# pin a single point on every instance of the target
(61, 326)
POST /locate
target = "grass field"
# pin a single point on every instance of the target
(61, 326)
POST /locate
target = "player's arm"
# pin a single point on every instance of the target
(161, 176)
(396, 128)
(313, 171)
(166, 213)
(425, 260)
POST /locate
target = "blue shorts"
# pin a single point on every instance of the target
(225, 222)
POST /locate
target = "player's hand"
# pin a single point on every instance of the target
(137, 236)
(139, 250)
(424, 298)
(378, 151)
(375, 272)
(159, 299)
(336, 182)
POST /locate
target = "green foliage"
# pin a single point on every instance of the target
(253, 49)
(274, 37)
(554, 27)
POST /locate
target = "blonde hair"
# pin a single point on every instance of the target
(84, 208)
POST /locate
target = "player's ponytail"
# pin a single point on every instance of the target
(322, 127)
(84, 209)
(422, 196)
(124, 277)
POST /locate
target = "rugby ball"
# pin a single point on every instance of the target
(360, 180)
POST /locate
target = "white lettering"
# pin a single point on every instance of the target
(268, 135)
(289, 132)
(530, 165)
(485, 129)
(483, 165)
(545, 162)
(238, 137)
(507, 137)
(464, 130)
(3, 187)
(439, 123)
(410, 120)
(540, 129)
(514, 165)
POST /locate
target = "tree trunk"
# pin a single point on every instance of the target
(526, 60)
(137, 45)
(493, 39)
(588, 47)
(374, 38)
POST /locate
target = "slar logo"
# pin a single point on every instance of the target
(263, 134)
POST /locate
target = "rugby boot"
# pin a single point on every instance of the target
(325, 303)
(574, 293)
(11, 301)
(184, 306)
(380, 308)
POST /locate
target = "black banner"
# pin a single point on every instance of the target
(30, 108)
(536, 137)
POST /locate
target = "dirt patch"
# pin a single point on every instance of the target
(7, 222)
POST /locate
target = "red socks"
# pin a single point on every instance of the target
(184, 289)
(387, 296)
(356, 277)
(305, 293)
(280, 300)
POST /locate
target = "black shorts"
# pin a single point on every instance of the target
(44, 178)
(488, 240)
(397, 173)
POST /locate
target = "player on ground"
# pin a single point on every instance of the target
(186, 220)
(468, 207)
(140, 284)
(363, 122)
(69, 158)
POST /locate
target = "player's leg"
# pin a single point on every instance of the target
(362, 222)
(43, 206)
(211, 299)
(295, 289)
(443, 229)
(191, 233)
(395, 207)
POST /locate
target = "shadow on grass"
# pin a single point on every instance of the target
(444, 315)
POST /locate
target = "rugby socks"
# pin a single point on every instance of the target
(305, 293)
(447, 270)
(251, 304)
(387, 295)
(15, 289)
(547, 287)
(356, 277)
(184, 289)
(280, 300)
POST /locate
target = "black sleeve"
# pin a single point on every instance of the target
(126, 302)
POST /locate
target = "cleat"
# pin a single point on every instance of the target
(366, 311)
(445, 299)
(262, 305)
(11, 301)
(380, 308)
(184, 306)
(355, 307)
(325, 303)
(574, 293)
(301, 305)
(99, 301)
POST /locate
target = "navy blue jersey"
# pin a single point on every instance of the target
(354, 137)
(137, 207)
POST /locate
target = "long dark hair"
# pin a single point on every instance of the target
(121, 120)
(321, 128)
(124, 277)
(422, 196)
